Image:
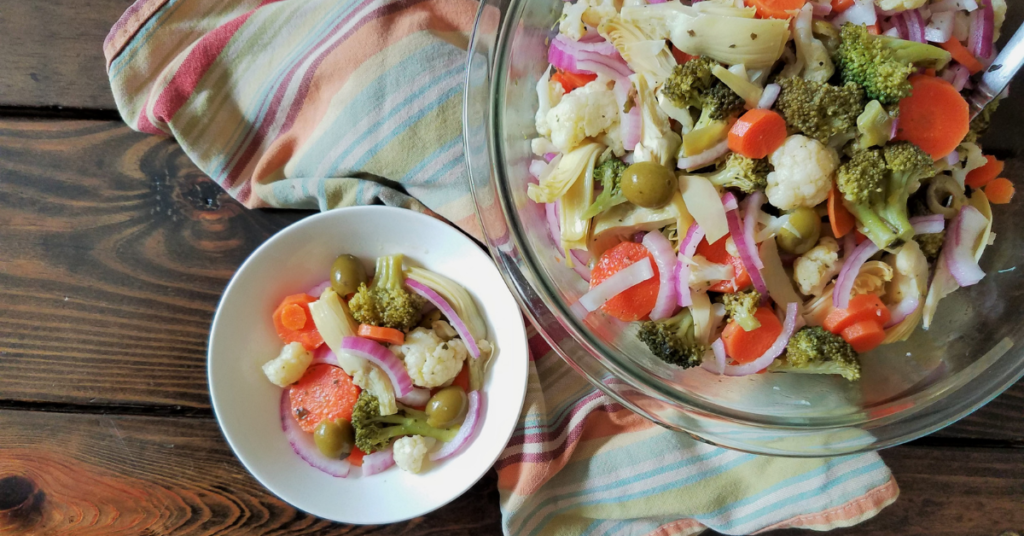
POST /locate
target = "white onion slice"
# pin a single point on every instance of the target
(718, 351)
(902, 310)
(844, 283)
(769, 95)
(704, 159)
(417, 398)
(473, 417)
(303, 445)
(448, 312)
(746, 247)
(931, 224)
(665, 258)
(616, 284)
(776, 349)
(687, 248)
(376, 462)
(958, 250)
(940, 27)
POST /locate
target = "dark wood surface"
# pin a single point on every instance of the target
(114, 250)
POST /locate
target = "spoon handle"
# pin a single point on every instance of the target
(998, 76)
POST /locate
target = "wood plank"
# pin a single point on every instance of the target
(52, 52)
(116, 251)
(99, 475)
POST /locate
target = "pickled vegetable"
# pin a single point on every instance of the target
(801, 232)
(649, 185)
(446, 407)
(334, 439)
(347, 273)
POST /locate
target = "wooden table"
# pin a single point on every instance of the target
(114, 250)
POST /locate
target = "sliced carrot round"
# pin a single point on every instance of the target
(294, 322)
(999, 191)
(757, 133)
(862, 307)
(935, 117)
(323, 392)
(718, 254)
(838, 215)
(776, 9)
(864, 336)
(636, 302)
(746, 346)
(985, 174)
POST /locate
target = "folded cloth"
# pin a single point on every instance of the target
(320, 104)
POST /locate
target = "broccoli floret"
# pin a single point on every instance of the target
(692, 85)
(980, 124)
(745, 174)
(741, 306)
(609, 173)
(720, 102)
(813, 350)
(908, 165)
(386, 302)
(672, 340)
(931, 244)
(374, 432)
(874, 126)
(881, 64)
(818, 109)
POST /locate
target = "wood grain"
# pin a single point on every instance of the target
(96, 475)
(51, 52)
(116, 250)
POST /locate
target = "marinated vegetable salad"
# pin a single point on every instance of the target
(380, 372)
(768, 185)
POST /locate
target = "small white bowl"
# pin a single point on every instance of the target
(242, 338)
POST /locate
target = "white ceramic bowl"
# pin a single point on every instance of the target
(242, 338)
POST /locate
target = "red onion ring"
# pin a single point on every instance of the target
(960, 77)
(566, 57)
(776, 349)
(548, 157)
(747, 249)
(665, 258)
(932, 224)
(383, 358)
(551, 213)
(376, 462)
(706, 158)
(536, 168)
(686, 250)
(847, 276)
(915, 25)
(751, 208)
(952, 158)
(958, 249)
(902, 310)
(303, 445)
(820, 10)
(895, 128)
(582, 264)
(901, 26)
(588, 44)
(982, 30)
(616, 284)
(417, 398)
(718, 350)
(448, 312)
(317, 290)
(474, 416)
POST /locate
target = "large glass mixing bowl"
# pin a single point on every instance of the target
(972, 353)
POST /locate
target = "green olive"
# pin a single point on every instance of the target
(446, 406)
(347, 273)
(802, 231)
(649, 185)
(334, 439)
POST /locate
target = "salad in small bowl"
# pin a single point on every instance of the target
(362, 339)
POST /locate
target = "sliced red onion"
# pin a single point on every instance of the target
(902, 310)
(474, 416)
(862, 12)
(982, 29)
(745, 245)
(931, 224)
(323, 354)
(582, 264)
(448, 312)
(769, 96)
(751, 211)
(537, 167)
(776, 349)
(718, 366)
(551, 213)
(548, 157)
(706, 158)
(953, 158)
(376, 462)
(317, 290)
(665, 258)
(895, 128)
(729, 202)
(940, 27)
(686, 250)
(820, 10)
(639, 236)
(417, 398)
(656, 1)
(960, 77)
(616, 284)
(587, 44)
(566, 57)
(900, 24)
(915, 25)
(383, 358)
(847, 276)
(303, 445)
(958, 249)
(630, 128)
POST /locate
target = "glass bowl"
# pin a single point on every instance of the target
(971, 354)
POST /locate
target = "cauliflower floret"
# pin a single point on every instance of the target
(999, 10)
(430, 360)
(813, 270)
(410, 452)
(548, 94)
(288, 366)
(585, 112)
(576, 16)
(803, 173)
(899, 5)
(911, 276)
(704, 273)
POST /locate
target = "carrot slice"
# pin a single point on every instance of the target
(776, 9)
(934, 117)
(323, 392)
(636, 302)
(757, 133)
(356, 457)
(962, 55)
(717, 254)
(746, 346)
(985, 174)
(864, 336)
(874, 29)
(839, 6)
(681, 57)
(571, 81)
(838, 216)
(294, 322)
(862, 307)
(379, 334)
(999, 191)
(462, 378)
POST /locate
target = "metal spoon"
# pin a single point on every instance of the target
(998, 76)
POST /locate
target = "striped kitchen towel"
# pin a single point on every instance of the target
(319, 104)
